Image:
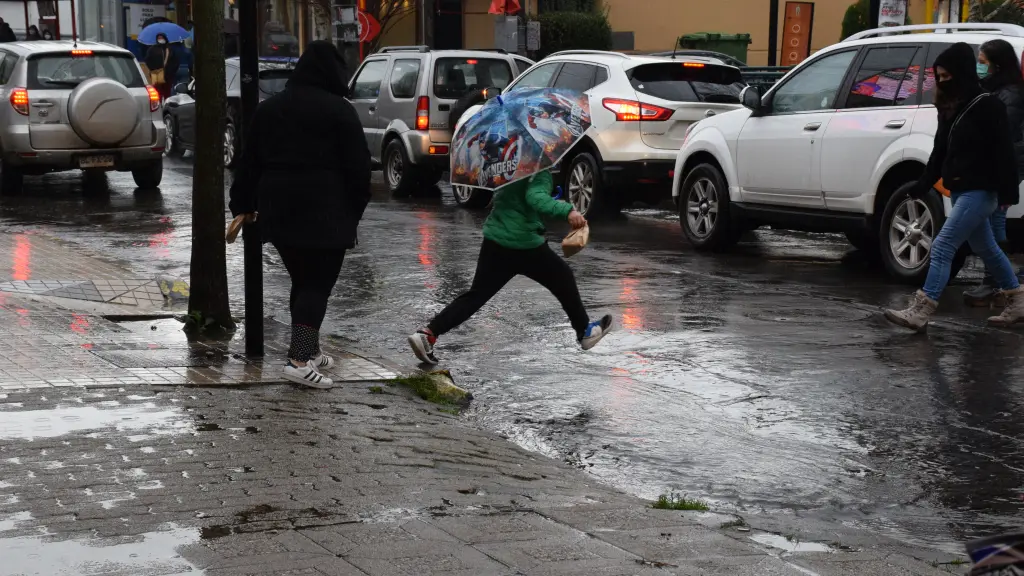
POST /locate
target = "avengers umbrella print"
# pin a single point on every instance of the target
(517, 135)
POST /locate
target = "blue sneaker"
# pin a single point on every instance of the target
(596, 331)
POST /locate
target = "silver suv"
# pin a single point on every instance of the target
(78, 106)
(404, 95)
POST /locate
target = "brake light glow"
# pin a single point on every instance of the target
(471, 62)
(693, 65)
(81, 52)
(632, 111)
(423, 113)
(19, 101)
(154, 99)
(438, 149)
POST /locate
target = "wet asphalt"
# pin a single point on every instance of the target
(764, 380)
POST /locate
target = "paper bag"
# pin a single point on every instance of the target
(236, 226)
(575, 241)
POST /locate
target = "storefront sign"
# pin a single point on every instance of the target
(892, 13)
(139, 13)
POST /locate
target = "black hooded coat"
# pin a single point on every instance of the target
(973, 147)
(305, 164)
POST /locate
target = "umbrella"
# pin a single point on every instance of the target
(154, 20)
(518, 135)
(173, 32)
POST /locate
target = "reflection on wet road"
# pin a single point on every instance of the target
(763, 380)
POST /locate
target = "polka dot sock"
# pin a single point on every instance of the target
(305, 343)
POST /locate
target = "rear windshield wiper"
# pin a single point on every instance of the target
(63, 82)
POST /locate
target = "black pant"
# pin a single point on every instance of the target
(496, 266)
(314, 273)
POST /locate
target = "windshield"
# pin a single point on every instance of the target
(273, 82)
(67, 71)
(689, 82)
(454, 77)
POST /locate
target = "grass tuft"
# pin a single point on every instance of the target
(674, 501)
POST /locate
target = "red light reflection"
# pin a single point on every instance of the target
(632, 316)
(21, 263)
(79, 323)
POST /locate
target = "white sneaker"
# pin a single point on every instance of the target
(596, 331)
(322, 361)
(307, 375)
(423, 347)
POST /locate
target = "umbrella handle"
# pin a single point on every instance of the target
(558, 189)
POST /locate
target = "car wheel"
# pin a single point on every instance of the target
(399, 173)
(148, 176)
(863, 240)
(172, 147)
(469, 197)
(12, 180)
(585, 188)
(230, 142)
(704, 210)
(908, 228)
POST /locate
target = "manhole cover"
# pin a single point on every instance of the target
(162, 358)
(800, 315)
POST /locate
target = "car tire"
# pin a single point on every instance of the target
(172, 146)
(149, 175)
(399, 172)
(863, 240)
(704, 210)
(902, 254)
(12, 180)
(469, 197)
(230, 143)
(584, 187)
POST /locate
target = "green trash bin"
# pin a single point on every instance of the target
(734, 45)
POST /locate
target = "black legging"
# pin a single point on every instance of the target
(314, 273)
(496, 266)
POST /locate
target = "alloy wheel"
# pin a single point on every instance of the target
(911, 233)
(395, 168)
(702, 208)
(229, 144)
(462, 193)
(168, 135)
(581, 187)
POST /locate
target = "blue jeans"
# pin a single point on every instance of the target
(998, 221)
(969, 222)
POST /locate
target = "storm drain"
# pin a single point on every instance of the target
(163, 358)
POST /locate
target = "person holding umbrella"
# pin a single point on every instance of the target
(496, 149)
(163, 66)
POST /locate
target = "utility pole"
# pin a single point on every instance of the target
(773, 32)
(873, 12)
(248, 28)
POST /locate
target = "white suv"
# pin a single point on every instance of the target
(829, 147)
(641, 107)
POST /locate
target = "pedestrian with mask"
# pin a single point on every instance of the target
(33, 33)
(163, 66)
(974, 156)
(305, 173)
(514, 244)
(999, 70)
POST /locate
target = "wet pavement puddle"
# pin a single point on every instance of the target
(790, 545)
(64, 420)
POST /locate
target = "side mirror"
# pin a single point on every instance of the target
(751, 98)
(181, 88)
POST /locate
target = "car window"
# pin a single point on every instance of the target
(522, 64)
(231, 77)
(273, 81)
(688, 82)
(539, 77)
(815, 86)
(885, 78)
(67, 71)
(404, 78)
(454, 77)
(928, 87)
(7, 62)
(367, 83)
(576, 77)
(602, 76)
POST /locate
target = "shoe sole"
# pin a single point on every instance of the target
(606, 328)
(420, 352)
(903, 324)
(307, 383)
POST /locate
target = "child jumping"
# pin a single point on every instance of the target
(514, 244)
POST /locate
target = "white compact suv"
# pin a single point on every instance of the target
(828, 148)
(641, 107)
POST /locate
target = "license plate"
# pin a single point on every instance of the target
(103, 161)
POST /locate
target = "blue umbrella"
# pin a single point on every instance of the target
(173, 32)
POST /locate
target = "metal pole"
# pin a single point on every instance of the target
(248, 35)
(773, 32)
(873, 12)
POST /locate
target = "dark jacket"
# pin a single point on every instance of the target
(7, 33)
(1012, 96)
(155, 61)
(973, 148)
(305, 164)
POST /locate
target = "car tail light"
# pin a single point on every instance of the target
(423, 113)
(438, 149)
(471, 62)
(81, 52)
(633, 111)
(692, 65)
(154, 99)
(19, 101)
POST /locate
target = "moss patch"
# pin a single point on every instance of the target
(674, 501)
(436, 388)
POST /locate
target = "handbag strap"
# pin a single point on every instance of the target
(167, 55)
(961, 115)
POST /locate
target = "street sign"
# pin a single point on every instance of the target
(369, 28)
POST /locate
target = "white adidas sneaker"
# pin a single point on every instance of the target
(307, 375)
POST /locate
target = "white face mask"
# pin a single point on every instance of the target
(161, 42)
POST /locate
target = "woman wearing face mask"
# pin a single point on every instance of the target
(163, 66)
(973, 154)
(999, 70)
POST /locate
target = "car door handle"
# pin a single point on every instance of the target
(813, 126)
(443, 108)
(895, 124)
(373, 109)
(709, 113)
(43, 104)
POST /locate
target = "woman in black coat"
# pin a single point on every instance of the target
(305, 169)
(161, 56)
(999, 70)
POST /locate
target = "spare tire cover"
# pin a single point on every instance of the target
(102, 111)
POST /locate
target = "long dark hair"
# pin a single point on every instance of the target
(1004, 67)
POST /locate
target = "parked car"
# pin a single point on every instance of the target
(81, 106)
(829, 148)
(640, 108)
(404, 95)
(180, 109)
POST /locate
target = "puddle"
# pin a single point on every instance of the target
(153, 553)
(783, 543)
(11, 521)
(62, 421)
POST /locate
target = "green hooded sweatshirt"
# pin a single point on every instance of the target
(515, 221)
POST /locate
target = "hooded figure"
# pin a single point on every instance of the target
(305, 168)
(973, 154)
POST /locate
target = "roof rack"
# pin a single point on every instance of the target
(998, 28)
(595, 52)
(404, 49)
(498, 50)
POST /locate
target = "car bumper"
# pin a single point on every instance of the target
(657, 173)
(424, 152)
(18, 152)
